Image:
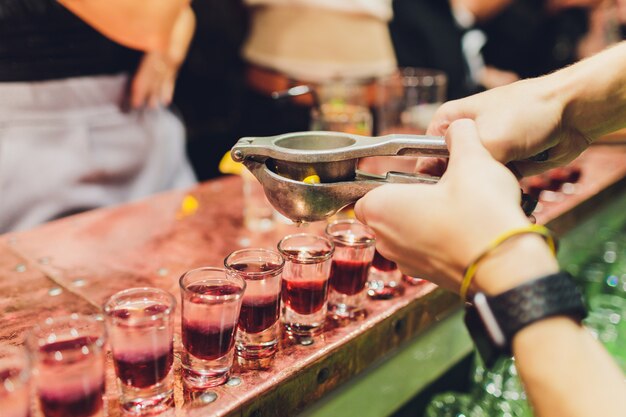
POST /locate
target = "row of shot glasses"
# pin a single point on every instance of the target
(234, 311)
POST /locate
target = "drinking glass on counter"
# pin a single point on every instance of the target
(308, 260)
(258, 327)
(407, 100)
(385, 278)
(354, 251)
(343, 107)
(140, 324)
(211, 302)
(69, 360)
(15, 376)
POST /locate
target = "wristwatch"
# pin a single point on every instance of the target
(493, 321)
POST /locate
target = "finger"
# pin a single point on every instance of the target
(139, 92)
(370, 204)
(438, 127)
(464, 143)
(360, 208)
(167, 92)
(446, 114)
(154, 100)
(563, 153)
(387, 203)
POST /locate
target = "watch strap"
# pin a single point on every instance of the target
(553, 295)
(493, 321)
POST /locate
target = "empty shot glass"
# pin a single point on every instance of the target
(140, 324)
(308, 260)
(14, 381)
(211, 301)
(69, 360)
(354, 252)
(258, 328)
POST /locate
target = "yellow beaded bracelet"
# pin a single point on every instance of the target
(470, 271)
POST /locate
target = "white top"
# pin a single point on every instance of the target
(377, 8)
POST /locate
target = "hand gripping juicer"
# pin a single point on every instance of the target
(283, 163)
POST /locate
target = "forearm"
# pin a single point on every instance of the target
(565, 372)
(593, 93)
(139, 24)
(181, 35)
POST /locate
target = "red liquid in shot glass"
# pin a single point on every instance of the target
(80, 399)
(148, 364)
(208, 341)
(574, 175)
(68, 404)
(383, 264)
(258, 313)
(305, 297)
(144, 372)
(349, 277)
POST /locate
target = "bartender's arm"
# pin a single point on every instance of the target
(140, 24)
(562, 112)
(435, 231)
(155, 79)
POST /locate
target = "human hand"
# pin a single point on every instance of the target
(154, 81)
(515, 122)
(435, 231)
(155, 78)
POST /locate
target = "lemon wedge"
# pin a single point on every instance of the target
(228, 166)
(188, 206)
(312, 179)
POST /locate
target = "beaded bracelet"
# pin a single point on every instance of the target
(470, 271)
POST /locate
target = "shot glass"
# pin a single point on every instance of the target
(69, 359)
(14, 381)
(258, 328)
(385, 278)
(211, 301)
(354, 252)
(308, 259)
(140, 324)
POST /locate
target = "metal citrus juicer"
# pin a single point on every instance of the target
(282, 163)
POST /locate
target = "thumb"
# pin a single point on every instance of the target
(464, 143)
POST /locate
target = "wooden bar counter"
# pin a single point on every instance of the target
(75, 264)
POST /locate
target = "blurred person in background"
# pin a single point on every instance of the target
(294, 42)
(83, 119)
(483, 44)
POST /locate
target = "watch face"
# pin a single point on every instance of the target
(488, 351)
